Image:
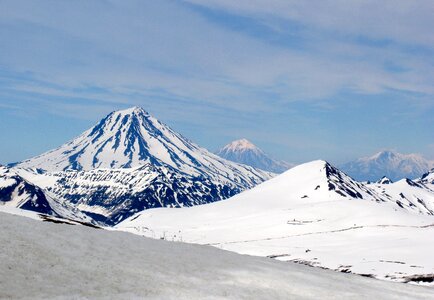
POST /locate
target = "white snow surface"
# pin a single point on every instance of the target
(413, 195)
(307, 215)
(41, 260)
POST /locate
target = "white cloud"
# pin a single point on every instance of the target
(398, 20)
(163, 48)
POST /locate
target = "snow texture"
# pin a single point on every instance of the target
(111, 195)
(44, 260)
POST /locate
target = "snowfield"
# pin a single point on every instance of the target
(312, 214)
(41, 260)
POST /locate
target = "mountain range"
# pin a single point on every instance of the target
(130, 161)
(392, 164)
(130, 171)
(313, 214)
(244, 152)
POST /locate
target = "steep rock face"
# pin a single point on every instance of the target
(15, 191)
(411, 195)
(131, 138)
(427, 178)
(392, 164)
(111, 195)
(345, 186)
(244, 152)
(384, 180)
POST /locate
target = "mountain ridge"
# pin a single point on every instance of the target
(312, 214)
(389, 163)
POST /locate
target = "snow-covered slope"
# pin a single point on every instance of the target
(244, 152)
(77, 262)
(16, 192)
(392, 164)
(19, 196)
(132, 137)
(409, 194)
(111, 195)
(312, 214)
(427, 178)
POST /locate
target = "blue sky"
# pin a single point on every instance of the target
(301, 79)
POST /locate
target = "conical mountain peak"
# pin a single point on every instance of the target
(135, 110)
(244, 152)
(132, 137)
(241, 145)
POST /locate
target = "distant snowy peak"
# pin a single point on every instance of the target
(387, 163)
(244, 152)
(132, 137)
(241, 145)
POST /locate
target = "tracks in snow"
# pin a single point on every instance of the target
(319, 232)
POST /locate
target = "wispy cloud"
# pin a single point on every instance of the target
(217, 67)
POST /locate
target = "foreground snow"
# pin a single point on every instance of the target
(312, 214)
(47, 260)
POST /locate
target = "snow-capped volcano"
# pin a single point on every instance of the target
(388, 163)
(129, 162)
(132, 137)
(244, 152)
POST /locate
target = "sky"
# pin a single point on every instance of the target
(302, 80)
